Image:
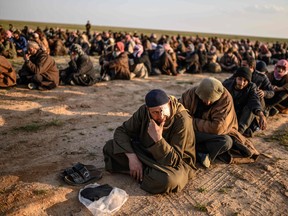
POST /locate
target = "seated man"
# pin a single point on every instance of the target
(229, 62)
(7, 47)
(212, 61)
(80, 70)
(20, 43)
(116, 65)
(189, 60)
(246, 101)
(162, 62)
(7, 73)
(264, 88)
(279, 81)
(215, 123)
(139, 62)
(156, 145)
(264, 54)
(39, 69)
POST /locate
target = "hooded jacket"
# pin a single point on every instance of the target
(120, 65)
(220, 119)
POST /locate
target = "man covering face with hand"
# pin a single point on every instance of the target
(156, 146)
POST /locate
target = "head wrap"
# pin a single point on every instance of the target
(120, 46)
(8, 34)
(280, 63)
(210, 89)
(156, 97)
(190, 47)
(159, 51)
(77, 49)
(243, 72)
(213, 49)
(138, 50)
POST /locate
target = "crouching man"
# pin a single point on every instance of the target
(215, 124)
(156, 146)
(39, 70)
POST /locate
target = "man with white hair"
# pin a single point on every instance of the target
(39, 70)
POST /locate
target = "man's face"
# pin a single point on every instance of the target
(281, 69)
(32, 51)
(160, 113)
(16, 36)
(241, 83)
(244, 63)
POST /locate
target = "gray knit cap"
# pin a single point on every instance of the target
(210, 89)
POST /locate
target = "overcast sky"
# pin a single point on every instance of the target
(239, 17)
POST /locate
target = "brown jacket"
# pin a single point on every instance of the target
(220, 119)
(43, 64)
(176, 146)
(120, 66)
(7, 73)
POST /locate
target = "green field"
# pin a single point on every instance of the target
(34, 25)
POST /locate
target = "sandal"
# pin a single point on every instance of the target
(81, 174)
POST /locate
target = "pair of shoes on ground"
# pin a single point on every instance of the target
(204, 159)
(80, 174)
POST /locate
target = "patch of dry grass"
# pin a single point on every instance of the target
(280, 136)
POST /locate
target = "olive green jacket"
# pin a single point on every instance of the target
(176, 146)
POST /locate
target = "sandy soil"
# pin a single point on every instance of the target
(43, 132)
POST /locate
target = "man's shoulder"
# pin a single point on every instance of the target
(259, 74)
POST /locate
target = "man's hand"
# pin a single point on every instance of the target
(26, 57)
(260, 93)
(72, 56)
(262, 121)
(155, 131)
(277, 88)
(135, 166)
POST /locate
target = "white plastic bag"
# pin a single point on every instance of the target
(105, 205)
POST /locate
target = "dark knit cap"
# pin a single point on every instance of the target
(156, 97)
(261, 66)
(244, 72)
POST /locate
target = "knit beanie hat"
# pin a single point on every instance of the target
(156, 97)
(210, 89)
(261, 66)
(244, 72)
(120, 46)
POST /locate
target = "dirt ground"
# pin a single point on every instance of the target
(43, 132)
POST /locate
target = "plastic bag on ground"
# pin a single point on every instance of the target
(106, 205)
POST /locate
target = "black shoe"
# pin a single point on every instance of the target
(273, 111)
(225, 157)
(248, 133)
